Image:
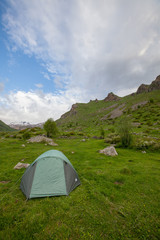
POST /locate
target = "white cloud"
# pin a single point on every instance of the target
(36, 107)
(94, 46)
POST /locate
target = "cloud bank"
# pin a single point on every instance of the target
(93, 46)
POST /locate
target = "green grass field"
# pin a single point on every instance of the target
(119, 197)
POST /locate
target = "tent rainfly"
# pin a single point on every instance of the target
(51, 174)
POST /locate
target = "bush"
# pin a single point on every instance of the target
(112, 139)
(151, 100)
(124, 130)
(102, 133)
(26, 135)
(50, 128)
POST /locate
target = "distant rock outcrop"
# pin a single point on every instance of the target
(155, 85)
(73, 111)
(111, 97)
(142, 88)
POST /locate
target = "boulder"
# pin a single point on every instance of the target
(44, 139)
(109, 151)
(21, 165)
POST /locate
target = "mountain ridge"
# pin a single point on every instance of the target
(106, 112)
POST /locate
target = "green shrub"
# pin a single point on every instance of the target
(124, 130)
(112, 139)
(26, 135)
(102, 133)
(151, 100)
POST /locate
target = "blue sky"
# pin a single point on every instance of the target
(56, 53)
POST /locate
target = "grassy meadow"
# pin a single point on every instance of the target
(119, 197)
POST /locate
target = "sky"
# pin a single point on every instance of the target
(54, 53)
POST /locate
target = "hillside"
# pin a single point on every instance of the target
(141, 108)
(4, 127)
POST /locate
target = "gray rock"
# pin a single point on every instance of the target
(39, 138)
(110, 151)
(21, 165)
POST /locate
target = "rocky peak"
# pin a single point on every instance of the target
(155, 85)
(111, 97)
(142, 88)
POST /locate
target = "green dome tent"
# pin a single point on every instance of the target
(51, 174)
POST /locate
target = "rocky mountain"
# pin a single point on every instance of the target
(155, 85)
(24, 125)
(106, 112)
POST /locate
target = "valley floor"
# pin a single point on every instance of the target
(118, 197)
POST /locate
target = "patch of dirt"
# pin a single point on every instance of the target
(118, 183)
(4, 182)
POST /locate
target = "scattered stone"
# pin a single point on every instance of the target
(143, 151)
(83, 140)
(42, 139)
(72, 152)
(22, 160)
(21, 165)
(110, 151)
(23, 145)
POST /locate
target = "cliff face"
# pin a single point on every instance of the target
(155, 85)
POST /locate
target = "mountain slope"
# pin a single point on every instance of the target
(4, 127)
(142, 109)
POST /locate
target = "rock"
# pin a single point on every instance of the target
(42, 139)
(143, 151)
(110, 151)
(83, 140)
(111, 97)
(21, 165)
(23, 145)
